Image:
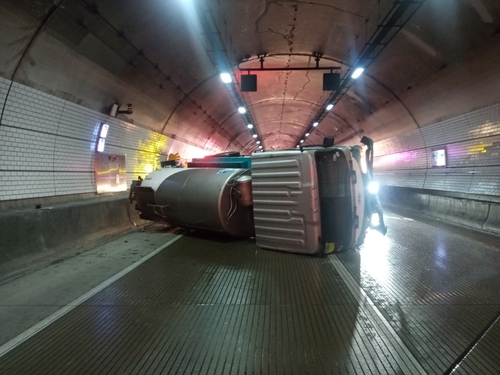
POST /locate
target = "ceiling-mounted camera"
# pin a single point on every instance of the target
(127, 111)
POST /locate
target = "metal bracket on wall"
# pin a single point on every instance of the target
(317, 58)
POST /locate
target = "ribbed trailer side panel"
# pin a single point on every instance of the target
(285, 199)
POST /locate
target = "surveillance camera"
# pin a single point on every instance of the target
(113, 110)
(128, 111)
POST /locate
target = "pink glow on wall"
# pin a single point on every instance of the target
(399, 159)
(185, 151)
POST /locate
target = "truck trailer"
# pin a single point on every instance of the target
(309, 200)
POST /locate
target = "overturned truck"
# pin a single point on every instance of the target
(310, 200)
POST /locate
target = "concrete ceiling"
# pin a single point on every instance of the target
(159, 56)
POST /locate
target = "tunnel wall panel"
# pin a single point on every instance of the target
(4, 88)
(472, 143)
(47, 145)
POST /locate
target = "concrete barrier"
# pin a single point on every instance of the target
(464, 212)
(30, 234)
(405, 198)
(492, 223)
(475, 212)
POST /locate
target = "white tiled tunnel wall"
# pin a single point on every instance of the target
(473, 155)
(47, 145)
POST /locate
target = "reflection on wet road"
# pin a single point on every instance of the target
(438, 289)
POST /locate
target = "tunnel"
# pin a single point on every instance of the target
(96, 95)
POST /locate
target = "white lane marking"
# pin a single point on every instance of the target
(405, 359)
(9, 345)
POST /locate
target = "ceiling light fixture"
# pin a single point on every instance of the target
(104, 130)
(255, 135)
(249, 126)
(100, 144)
(258, 142)
(226, 77)
(316, 124)
(357, 72)
(307, 134)
(260, 146)
(242, 110)
(329, 106)
(301, 141)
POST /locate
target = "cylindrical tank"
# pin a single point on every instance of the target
(205, 198)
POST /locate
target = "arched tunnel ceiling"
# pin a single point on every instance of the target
(158, 55)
